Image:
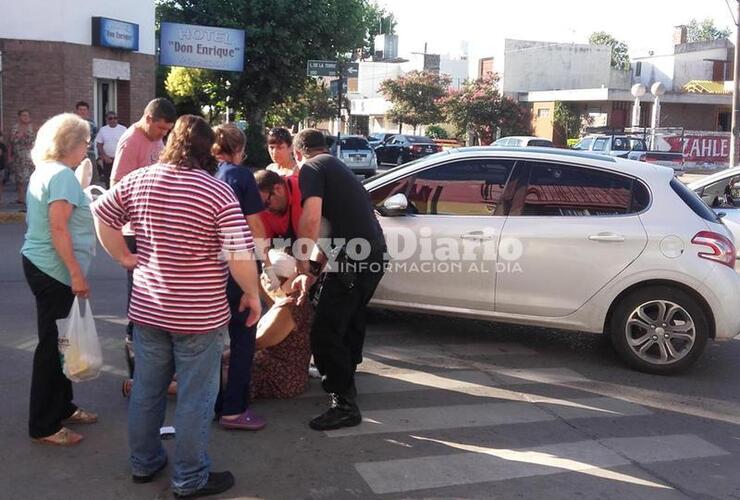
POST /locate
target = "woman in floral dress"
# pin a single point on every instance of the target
(22, 137)
(280, 366)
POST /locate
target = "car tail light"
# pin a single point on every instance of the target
(416, 149)
(437, 148)
(721, 249)
(643, 157)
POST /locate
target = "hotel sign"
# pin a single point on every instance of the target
(115, 34)
(201, 47)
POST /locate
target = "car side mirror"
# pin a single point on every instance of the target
(395, 205)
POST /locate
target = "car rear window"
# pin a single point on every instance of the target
(693, 201)
(355, 143)
(540, 143)
(418, 138)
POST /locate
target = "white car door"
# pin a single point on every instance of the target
(574, 230)
(443, 248)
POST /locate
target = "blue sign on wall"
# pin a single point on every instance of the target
(201, 47)
(115, 34)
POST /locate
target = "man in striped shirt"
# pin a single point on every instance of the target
(190, 232)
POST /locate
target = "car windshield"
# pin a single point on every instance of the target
(431, 157)
(418, 138)
(584, 144)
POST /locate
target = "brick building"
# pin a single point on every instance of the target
(54, 53)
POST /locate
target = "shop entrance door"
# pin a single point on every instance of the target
(106, 99)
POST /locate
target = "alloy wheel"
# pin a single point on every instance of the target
(660, 332)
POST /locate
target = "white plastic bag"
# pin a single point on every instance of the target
(79, 347)
(84, 172)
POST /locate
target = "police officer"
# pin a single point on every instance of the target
(332, 195)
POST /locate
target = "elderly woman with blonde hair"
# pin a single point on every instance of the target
(56, 253)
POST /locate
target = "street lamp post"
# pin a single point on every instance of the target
(638, 90)
(657, 89)
(735, 93)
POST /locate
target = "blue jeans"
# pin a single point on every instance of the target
(197, 361)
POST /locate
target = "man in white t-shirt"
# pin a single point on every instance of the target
(106, 142)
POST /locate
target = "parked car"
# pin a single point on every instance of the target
(523, 142)
(376, 139)
(560, 239)
(357, 153)
(399, 149)
(632, 148)
(721, 191)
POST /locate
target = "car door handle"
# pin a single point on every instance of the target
(607, 237)
(476, 236)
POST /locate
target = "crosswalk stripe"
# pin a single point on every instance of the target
(484, 415)
(413, 380)
(479, 464)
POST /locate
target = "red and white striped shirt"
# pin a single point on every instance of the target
(184, 220)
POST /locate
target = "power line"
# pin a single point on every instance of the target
(732, 14)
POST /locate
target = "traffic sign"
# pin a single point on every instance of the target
(329, 68)
(350, 70)
(334, 87)
(321, 68)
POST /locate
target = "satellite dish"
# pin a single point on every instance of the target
(638, 90)
(658, 89)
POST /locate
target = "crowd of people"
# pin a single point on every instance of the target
(208, 248)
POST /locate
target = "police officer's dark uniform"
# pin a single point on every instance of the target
(338, 330)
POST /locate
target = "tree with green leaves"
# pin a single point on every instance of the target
(620, 52)
(414, 97)
(281, 36)
(191, 90)
(478, 108)
(567, 120)
(313, 105)
(705, 31)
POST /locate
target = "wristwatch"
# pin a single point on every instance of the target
(314, 268)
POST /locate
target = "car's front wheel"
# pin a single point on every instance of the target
(659, 329)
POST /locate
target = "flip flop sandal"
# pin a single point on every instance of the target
(63, 437)
(81, 416)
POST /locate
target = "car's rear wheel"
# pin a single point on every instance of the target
(399, 159)
(659, 329)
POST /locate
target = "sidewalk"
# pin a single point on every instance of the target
(10, 211)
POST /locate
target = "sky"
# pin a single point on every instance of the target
(644, 25)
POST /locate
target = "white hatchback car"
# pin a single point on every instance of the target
(560, 239)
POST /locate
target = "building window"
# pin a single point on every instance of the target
(638, 69)
(543, 113)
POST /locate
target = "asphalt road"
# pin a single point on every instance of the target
(453, 409)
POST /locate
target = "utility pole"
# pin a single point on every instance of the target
(340, 71)
(735, 91)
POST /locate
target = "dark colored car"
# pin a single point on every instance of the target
(377, 139)
(399, 149)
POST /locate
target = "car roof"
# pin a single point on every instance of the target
(709, 179)
(525, 137)
(646, 171)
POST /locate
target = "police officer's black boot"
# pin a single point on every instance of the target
(343, 412)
